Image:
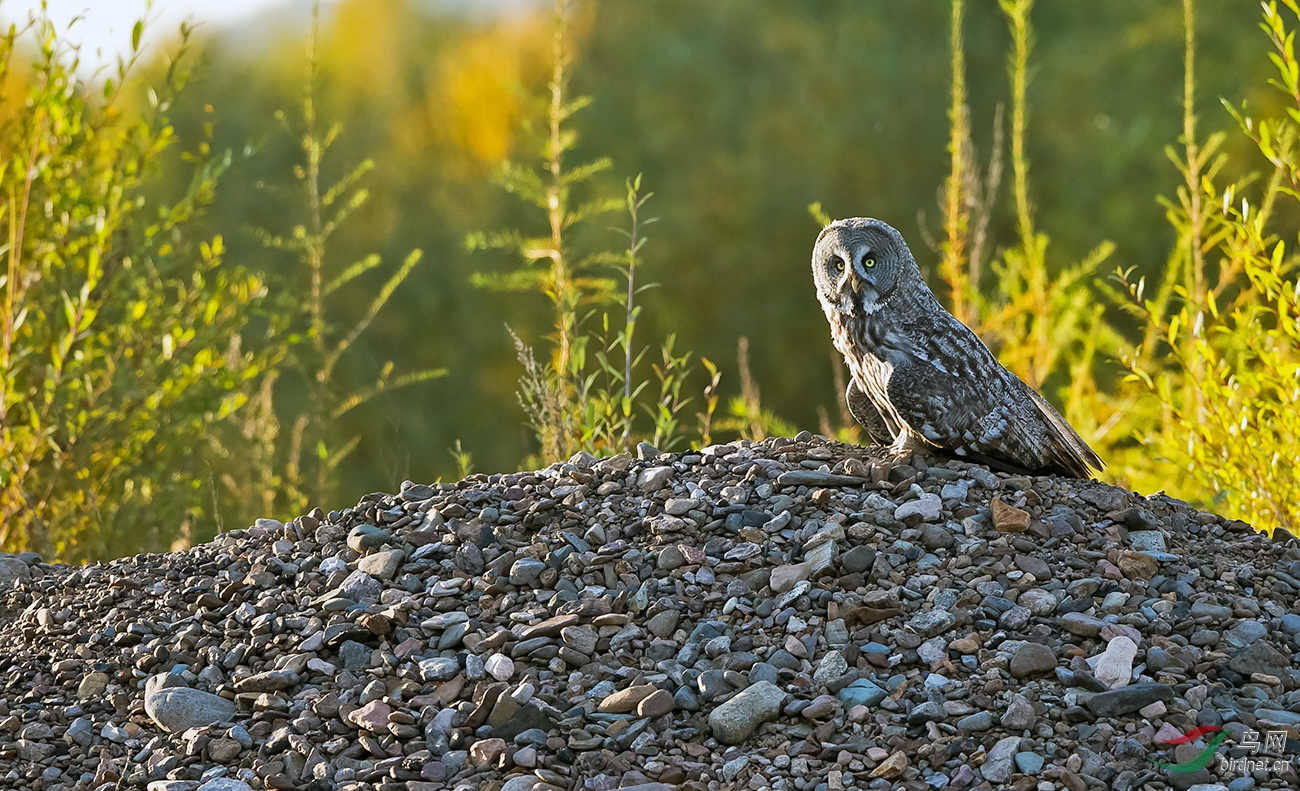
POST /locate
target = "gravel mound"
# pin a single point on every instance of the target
(790, 614)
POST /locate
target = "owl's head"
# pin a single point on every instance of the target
(859, 263)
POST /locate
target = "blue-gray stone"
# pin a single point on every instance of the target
(686, 699)
(1279, 716)
(861, 693)
(1147, 540)
(1029, 763)
(355, 656)
(1245, 633)
(713, 683)
(364, 538)
(535, 737)
(785, 659)
(1291, 624)
(452, 637)
(979, 721)
(576, 543)
(707, 630)
(439, 668)
(762, 671)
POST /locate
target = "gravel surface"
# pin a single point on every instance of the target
(790, 614)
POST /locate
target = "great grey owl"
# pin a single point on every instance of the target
(919, 377)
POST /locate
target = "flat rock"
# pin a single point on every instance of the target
(1008, 518)
(819, 478)
(1126, 700)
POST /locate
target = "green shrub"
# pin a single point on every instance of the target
(122, 336)
(289, 471)
(1218, 369)
(572, 404)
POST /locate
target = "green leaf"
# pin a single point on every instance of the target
(359, 268)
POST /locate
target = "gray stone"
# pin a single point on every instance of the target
(11, 569)
(268, 681)
(930, 711)
(819, 478)
(225, 784)
(1126, 700)
(1019, 715)
(1291, 624)
(1029, 763)
(997, 765)
(1114, 666)
(383, 565)
(670, 558)
(977, 722)
(654, 478)
(1032, 659)
(580, 638)
(525, 572)
(734, 721)
(439, 668)
(81, 731)
(365, 538)
(177, 709)
(1278, 716)
(1147, 540)
(831, 667)
(1259, 657)
(355, 656)
(663, 624)
(858, 559)
(361, 587)
(929, 623)
(927, 507)
(1245, 633)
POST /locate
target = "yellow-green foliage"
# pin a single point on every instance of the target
(1208, 409)
(1220, 365)
(120, 332)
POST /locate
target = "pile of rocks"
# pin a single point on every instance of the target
(790, 614)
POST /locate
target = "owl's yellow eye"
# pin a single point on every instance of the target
(839, 264)
(868, 262)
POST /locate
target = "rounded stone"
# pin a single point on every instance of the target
(177, 709)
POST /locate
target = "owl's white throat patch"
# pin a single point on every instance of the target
(869, 300)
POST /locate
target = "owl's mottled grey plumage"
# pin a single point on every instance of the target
(919, 377)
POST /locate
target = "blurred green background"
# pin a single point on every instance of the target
(737, 114)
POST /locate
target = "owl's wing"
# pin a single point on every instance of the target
(1068, 450)
(866, 414)
(952, 391)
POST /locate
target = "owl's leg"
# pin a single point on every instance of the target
(866, 414)
(905, 444)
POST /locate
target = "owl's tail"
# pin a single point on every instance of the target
(1068, 453)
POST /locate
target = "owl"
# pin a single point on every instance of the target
(920, 379)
